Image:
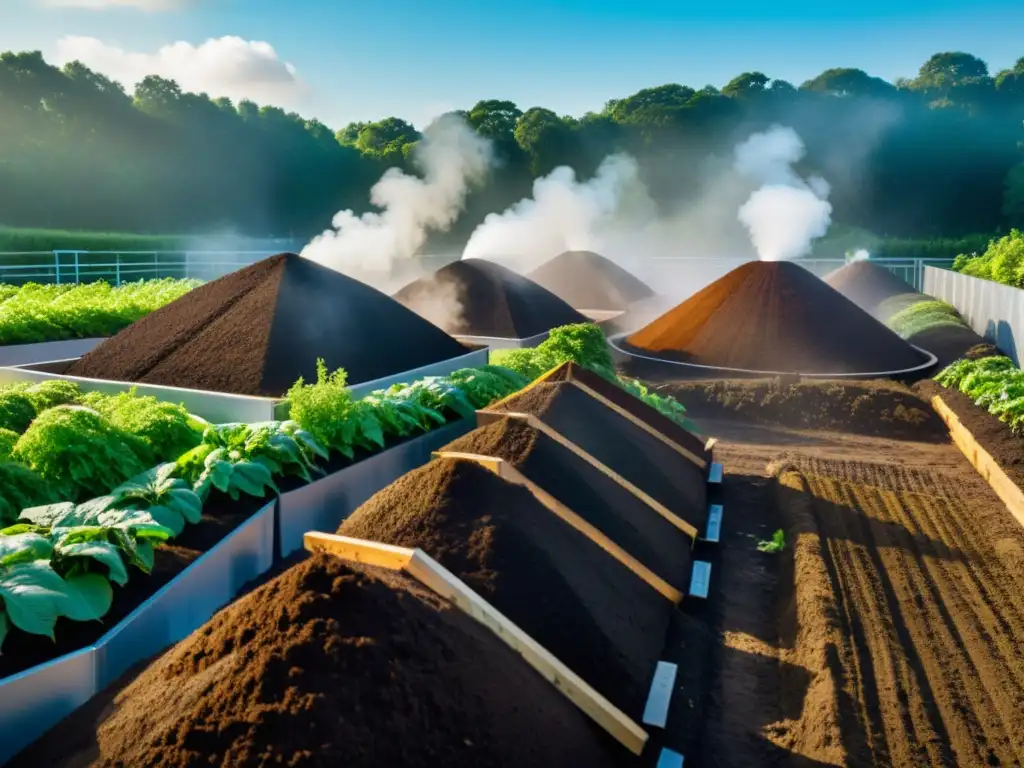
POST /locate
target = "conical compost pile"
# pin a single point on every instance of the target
(594, 614)
(475, 297)
(775, 316)
(588, 492)
(332, 664)
(257, 330)
(587, 280)
(627, 449)
(868, 285)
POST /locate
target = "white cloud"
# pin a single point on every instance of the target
(102, 5)
(224, 66)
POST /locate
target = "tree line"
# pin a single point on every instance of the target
(939, 155)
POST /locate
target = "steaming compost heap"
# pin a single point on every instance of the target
(475, 297)
(868, 285)
(589, 610)
(587, 280)
(775, 316)
(595, 497)
(622, 446)
(255, 331)
(332, 664)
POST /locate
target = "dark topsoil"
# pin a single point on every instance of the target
(587, 280)
(595, 497)
(331, 664)
(868, 285)
(639, 457)
(882, 408)
(993, 435)
(482, 298)
(257, 330)
(590, 611)
(774, 316)
(221, 516)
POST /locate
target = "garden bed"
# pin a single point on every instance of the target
(40, 352)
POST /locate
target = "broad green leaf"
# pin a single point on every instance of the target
(5, 626)
(168, 518)
(220, 474)
(102, 552)
(89, 596)
(47, 514)
(252, 479)
(186, 503)
(24, 547)
(34, 596)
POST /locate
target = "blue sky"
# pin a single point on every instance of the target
(413, 58)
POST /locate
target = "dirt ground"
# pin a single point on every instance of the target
(888, 633)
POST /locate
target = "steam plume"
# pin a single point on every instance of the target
(787, 212)
(452, 158)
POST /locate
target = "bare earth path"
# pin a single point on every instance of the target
(891, 632)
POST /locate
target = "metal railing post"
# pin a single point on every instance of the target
(117, 269)
(56, 267)
(77, 280)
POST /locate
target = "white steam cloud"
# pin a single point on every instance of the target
(859, 255)
(787, 213)
(452, 158)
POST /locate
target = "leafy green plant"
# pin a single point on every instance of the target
(666, 406)
(326, 410)
(169, 500)
(993, 383)
(20, 488)
(283, 447)
(81, 453)
(168, 429)
(16, 410)
(775, 545)
(925, 316)
(483, 386)
(1002, 261)
(582, 343)
(8, 437)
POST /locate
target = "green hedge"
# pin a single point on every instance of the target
(61, 239)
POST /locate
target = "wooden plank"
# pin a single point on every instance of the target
(577, 690)
(986, 466)
(661, 509)
(669, 758)
(713, 533)
(660, 695)
(639, 423)
(506, 471)
(700, 579)
(359, 550)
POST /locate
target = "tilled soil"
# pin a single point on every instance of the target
(332, 664)
(888, 631)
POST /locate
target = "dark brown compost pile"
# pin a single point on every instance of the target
(257, 330)
(775, 316)
(590, 611)
(585, 490)
(332, 664)
(587, 280)
(868, 285)
(475, 297)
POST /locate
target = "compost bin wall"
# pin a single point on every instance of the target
(324, 504)
(994, 310)
(33, 701)
(26, 354)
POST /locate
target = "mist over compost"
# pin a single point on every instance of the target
(538, 571)
(774, 316)
(587, 280)
(331, 664)
(255, 331)
(474, 297)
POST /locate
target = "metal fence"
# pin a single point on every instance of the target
(125, 266)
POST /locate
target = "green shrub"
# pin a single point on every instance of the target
(81, 453)
(8, 438)
(21, 488)
(1002, 260)
(168, 429)
(325, 409)
(583, 343)
(50, 394)
(16, 410)
(925, 316)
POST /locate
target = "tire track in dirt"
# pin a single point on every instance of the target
(938, 608)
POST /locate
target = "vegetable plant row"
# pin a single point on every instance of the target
(36, 313)
(993, 383)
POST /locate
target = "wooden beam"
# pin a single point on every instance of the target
(507, 472)
(599, 709)
(359, 550)
(1007, 490)
(639, 423)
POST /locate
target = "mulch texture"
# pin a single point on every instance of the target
(481, 298)
(587, 280)
(332, 664)
(586, 608)
(257, 330)
(774, 316)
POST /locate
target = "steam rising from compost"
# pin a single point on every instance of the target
(787, 213)
(452, 158)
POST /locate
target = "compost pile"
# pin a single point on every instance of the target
(774, 316)
(332, 664)
(622, 446)
(588, 492)
(595, 615)
(587, 280)
(475, 297)
(257, 330)
(868, 285)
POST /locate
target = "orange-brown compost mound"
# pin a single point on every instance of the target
(587, 280)
(867, 285)
(257, 330)
(775, 316)
(332, 664)
(476, 297)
